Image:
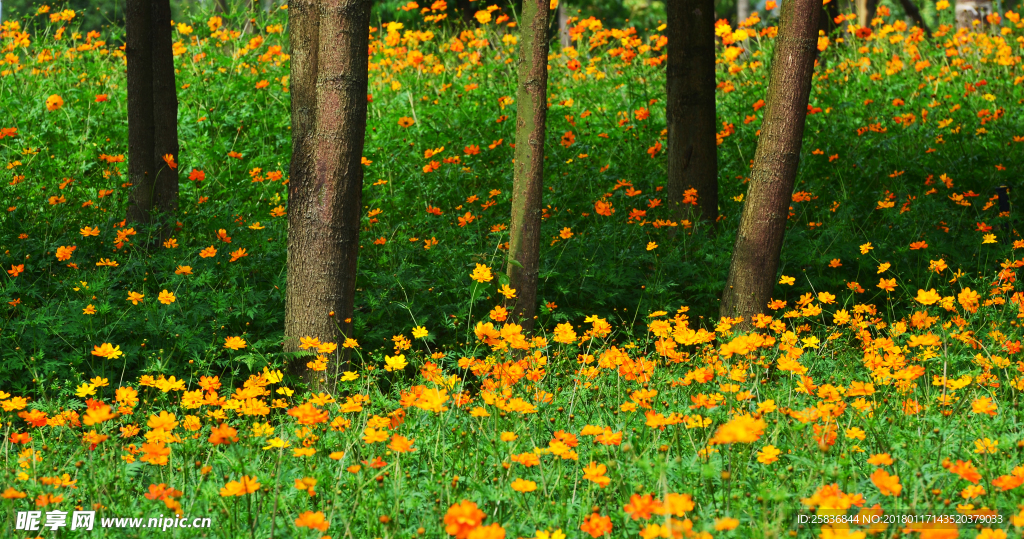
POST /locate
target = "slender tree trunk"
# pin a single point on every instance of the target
(467, 11)
(531, 116)
(742, 10)
(563, 26)
(329, 81)
(915, 14)
(866, 11)
(141, 153)
(165, 117)
(827, 23)
(968, 11)
(692, 148)
(755, 258)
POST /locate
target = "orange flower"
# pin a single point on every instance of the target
(522, 485)
(312, 520)
(966, 471)
(223, 434)
(16, 270)
(234, 343)
(401, 444)
(169, 159)
(604, 208)
(888, 485)
(595, 472)
(246, 485)
(239, 253)
(54, 102)
(307, 414)
(462, 518)
(744, 429)
(984, 405)
(596, 525)
(642, 506)
(64, 253)
(405, 121)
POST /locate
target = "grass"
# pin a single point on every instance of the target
(633, 402)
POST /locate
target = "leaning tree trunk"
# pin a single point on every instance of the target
(915, 14)
(742, 10)
(329, 83)
(531, 115)
(165, 117)
(141, 153)
(755, 258)
(692, 148)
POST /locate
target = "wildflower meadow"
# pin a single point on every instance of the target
(143, 375)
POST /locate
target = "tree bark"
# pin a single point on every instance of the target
(165, 117)
(531, 116)
(329, 40)
(563, 26)
(742, 10)
(968, 11)
(755, 258)
(141, 152)
(692, 147)
(466, 9)
(866, 11)
(915, 14)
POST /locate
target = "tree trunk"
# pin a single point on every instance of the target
(866, 11)
(692, 148)
(467, 11)
(329, 41)
(531, 116)
(141, 152)
(968, 11)
(165, 117)
(827, 23)
(915, 14)
(742, 10)
(755, 258)
(563, 26)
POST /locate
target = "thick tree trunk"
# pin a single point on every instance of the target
(866, 11)
(755, 258)
(329, 41)
(692, 148)
(563, 26)
(531, 116)
(141, 153)
(915, 14)
(742, 10)
(968, 11)
(165, 117)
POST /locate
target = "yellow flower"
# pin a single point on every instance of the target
(166, 297)
(85, 390)
(865, 248)
(89, 309)
(481, 274)
(395, 363)
(348, 376)
(988, 238)
(883, 267)
(135, 297)
(785, 279)
(419, 332)
(651, 246)
(506, 291)
(941, 5)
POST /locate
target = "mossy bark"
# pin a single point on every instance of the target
(531, 116)
(755, 258)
